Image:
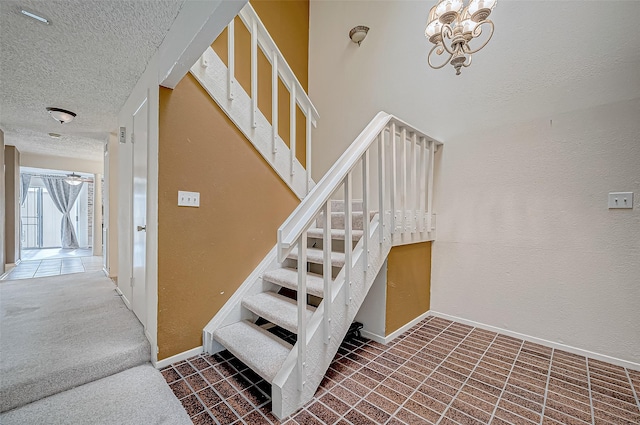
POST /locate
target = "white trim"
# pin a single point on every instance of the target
(194, 29)
(568, 348)
(124, 298)
(373, 336)
(393, 335)
(178, 357)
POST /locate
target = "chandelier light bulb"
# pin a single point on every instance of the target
(451, 27)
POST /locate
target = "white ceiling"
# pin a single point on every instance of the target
(87, 60)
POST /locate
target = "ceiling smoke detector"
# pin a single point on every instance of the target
(55, 135)
(35, 16)
(61, 115)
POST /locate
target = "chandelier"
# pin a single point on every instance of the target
(452, 26)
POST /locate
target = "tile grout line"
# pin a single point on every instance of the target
(468, 376)
(633, 388)
(593, 417)
(504, 387)
(546, 388)
(392, 415)
(433, 371)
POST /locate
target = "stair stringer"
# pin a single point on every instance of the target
(286, 398)
(232, 311)
(212, 75)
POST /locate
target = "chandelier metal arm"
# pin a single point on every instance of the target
(448, 34)
(476, 33)
(438, 53)
(467, 63)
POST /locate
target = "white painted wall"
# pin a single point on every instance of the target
(524, 239)
(2, 205)
(111, 206)
(373, 311)
(61, 163)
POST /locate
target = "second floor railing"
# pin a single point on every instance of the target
(280, 71)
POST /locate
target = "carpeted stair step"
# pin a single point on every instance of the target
(337, 219)
(262, 351)
(316, 256)
(336, 234)
(288, 278)
(277, 309)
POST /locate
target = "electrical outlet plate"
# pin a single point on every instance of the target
(620, 200)
(188, 199)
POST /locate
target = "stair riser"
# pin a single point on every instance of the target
(338, 206)
(336, 245)
(338, 222)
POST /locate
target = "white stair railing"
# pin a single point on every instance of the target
(280, 70)
(404, 183)
(219, 80)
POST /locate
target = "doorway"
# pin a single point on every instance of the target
(41, 223)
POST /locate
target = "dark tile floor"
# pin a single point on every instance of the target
(439, 372)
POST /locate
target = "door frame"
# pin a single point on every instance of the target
(147, 87)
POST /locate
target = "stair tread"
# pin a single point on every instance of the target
(288, 278)
(276, 308)
(337, 234)
(262, 351)
(316, 256)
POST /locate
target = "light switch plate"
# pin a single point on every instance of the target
(188, 199)
(620, 200)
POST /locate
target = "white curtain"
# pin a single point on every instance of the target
(25, 181)
(64, 196)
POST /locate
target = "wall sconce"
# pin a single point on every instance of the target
(357, 34)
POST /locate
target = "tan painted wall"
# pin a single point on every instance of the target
(408, 284)
(205, 253)
(12, 204)
(2, 205)
(288, 24)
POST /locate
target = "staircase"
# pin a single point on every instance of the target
(287, 320)
(265, 352)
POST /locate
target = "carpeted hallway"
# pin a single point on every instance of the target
(71, 352)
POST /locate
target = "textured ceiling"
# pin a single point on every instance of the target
(87, 60)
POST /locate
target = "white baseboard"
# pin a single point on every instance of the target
(124, 299)
(178, 357)
(568, 348)
(393, 335)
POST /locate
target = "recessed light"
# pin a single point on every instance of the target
(55, 135)
(35, 16)
(61, 115)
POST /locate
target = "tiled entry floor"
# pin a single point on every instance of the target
(439, 372)
(54, 267)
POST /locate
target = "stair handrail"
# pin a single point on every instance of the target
(303, 216)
